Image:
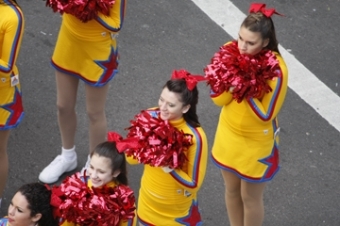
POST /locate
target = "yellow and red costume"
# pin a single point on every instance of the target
(11, 33)
(246, 141)
(89, 50)
(171, 198)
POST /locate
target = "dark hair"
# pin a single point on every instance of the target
(38, 197)
(188, 97)
(257, 22)
(109, 150)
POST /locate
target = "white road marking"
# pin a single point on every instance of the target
(302, 81)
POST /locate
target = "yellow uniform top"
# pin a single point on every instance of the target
(245, 141)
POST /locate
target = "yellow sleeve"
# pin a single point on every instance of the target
(67, 223)
(131, 160)
(222, 98)
(114, 22)
(131, 222)
(13, 30)
(192, 179)
(267, 108)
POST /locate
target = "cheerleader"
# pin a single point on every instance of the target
(86, 50)
(101, 198)
(249, 80)
(11, 109)
(171, 179)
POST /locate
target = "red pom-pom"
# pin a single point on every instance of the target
(160, 143)
(84, 10)
(246, 74)
(76, 202)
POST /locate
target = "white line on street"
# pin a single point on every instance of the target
(303, 82)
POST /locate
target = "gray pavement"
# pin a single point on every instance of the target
(159, 36)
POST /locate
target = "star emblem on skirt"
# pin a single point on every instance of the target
(110, 67)
(15, 108)
(193, 217)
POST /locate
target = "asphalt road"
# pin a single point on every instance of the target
(159, 36)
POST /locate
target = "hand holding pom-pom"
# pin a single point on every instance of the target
(161, 144)
(167, 169)
(245, 76)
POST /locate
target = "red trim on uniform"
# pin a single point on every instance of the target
(69, 72)
(235, 171)
(144, 222)
(193, 183)
(272, 104)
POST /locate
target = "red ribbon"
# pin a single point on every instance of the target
(191, 80)
(121, 144)
(261, 7)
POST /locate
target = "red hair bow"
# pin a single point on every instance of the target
(121, 144)
(261, 7)
(191, 80)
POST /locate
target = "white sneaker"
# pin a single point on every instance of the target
(56, 168)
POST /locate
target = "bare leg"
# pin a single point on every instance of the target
(95, 106)
(67, 87)
(233, 198)
(252, 196)
(4, 136)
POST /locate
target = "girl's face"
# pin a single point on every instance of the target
(170, 105)
(250, 42)
(18, 212)
(100, 170)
